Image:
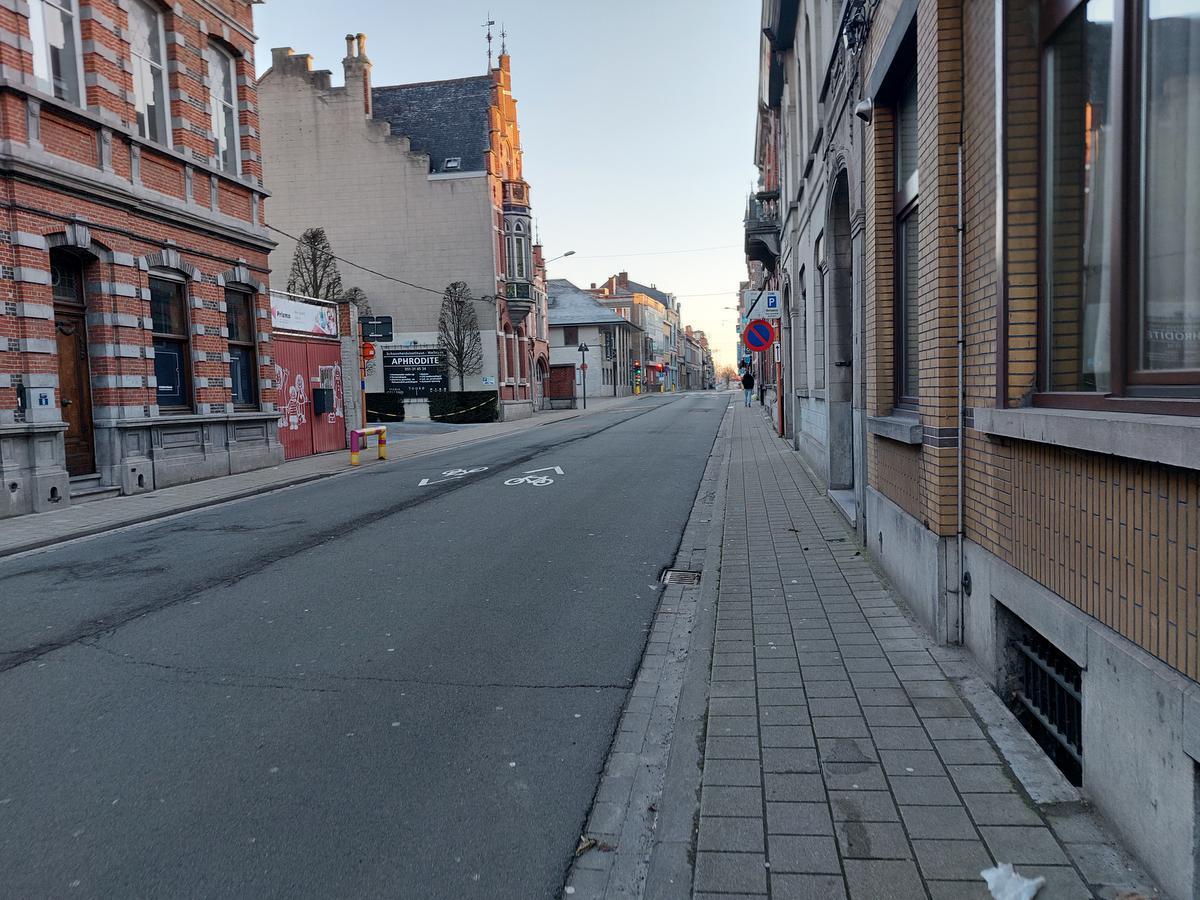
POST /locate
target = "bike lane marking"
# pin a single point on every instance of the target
(452, 475)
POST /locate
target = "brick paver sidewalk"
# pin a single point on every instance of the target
(839, 759)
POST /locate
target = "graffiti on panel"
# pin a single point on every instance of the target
(339, 396)
(292, 403)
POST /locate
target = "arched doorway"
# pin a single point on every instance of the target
(74, 364)
(839, 306)
(542, 373)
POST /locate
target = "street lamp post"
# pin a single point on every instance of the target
(560, 256)
(583, 349)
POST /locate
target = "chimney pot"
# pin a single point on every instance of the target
(362, 44)
(349, 46)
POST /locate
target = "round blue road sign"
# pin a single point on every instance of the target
(759, 335)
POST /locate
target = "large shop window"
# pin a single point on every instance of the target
(907, 231)
(223, 100)
(57, 64)
(243, 360)
(169, 313)
(1121, 203)
(148, 43)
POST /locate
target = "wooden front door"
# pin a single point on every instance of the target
(74, 372)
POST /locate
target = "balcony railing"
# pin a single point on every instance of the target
(762, 228)
(516, 195)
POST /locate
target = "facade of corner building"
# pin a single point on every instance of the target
(578, 318)
(1043, 489)
(657, 314)
(421, 182)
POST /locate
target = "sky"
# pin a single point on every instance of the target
(636, 118)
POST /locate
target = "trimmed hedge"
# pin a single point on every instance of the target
(468, 407)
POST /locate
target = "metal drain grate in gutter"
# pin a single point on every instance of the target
(680, 576)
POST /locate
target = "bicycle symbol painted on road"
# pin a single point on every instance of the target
(535, 480)
(534, 477)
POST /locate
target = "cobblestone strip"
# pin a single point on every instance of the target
(840, 761)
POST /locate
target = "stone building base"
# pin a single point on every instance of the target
(1140, 718)
(512, 410)
(33, 468)
(134, 455)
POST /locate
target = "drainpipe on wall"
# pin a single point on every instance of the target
(961, 406)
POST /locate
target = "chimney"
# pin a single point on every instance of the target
(623, 279)
(593, 285)
(357, 68)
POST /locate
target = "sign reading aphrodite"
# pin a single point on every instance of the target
(305, 318)
(415, 373)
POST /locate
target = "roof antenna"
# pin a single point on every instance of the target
(488, 25)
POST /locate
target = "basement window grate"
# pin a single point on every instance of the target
(679, 576)
(1047, 698)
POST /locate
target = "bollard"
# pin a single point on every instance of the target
(358, 440)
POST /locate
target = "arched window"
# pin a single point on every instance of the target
(222, 98)
(148, 44)
(520, 250)
(171, 324)
(57, 63)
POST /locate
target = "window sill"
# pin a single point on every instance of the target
(899, 428)
(1170, 440)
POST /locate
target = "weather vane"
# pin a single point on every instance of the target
(488, 25)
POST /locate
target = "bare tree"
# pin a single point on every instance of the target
(314, 267)
(458, 332)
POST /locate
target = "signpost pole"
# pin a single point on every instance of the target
(362, 381)
(583, 349)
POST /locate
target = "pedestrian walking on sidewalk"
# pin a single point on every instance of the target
(748, 386)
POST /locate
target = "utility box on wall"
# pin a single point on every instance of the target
(41, 405)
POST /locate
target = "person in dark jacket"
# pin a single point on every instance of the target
(748, 385)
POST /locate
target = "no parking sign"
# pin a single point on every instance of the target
(759, 335)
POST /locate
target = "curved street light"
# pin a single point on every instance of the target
(560, 256)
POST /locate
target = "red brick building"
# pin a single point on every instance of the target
(135, 343)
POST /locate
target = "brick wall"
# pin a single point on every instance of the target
(130, 198)
(1116, 538)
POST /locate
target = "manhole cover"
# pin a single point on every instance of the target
(680, 576)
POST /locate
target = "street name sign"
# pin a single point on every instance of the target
(376, 328)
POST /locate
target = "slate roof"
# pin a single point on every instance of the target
(441, 118)
(570, 305)
(658, 295)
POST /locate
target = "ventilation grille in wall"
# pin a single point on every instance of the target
(1047, 697)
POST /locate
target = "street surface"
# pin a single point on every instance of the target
(403, 682)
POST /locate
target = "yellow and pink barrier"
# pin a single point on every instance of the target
(358, 441)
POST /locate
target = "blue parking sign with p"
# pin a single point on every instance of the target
(772, 301)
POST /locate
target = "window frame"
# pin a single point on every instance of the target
(250, 345)
(1167, 392)
(37, 7)
(906, 207)
(162, 67)
(219, 103)
(183, 341)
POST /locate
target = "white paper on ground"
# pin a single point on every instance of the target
(1005, 884)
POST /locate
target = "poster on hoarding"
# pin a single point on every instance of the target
(415, 373)
(297, 316)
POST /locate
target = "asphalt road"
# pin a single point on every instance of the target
(365, 686)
